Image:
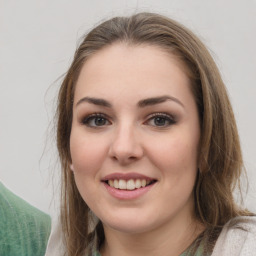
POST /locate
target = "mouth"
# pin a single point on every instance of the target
(128, 181)
(130, 184)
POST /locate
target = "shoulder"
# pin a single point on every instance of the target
(238, 238)
(23, 228)
(13, 209)
(14, 205)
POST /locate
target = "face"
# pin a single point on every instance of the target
(134, 138)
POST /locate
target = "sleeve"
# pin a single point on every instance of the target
(24, 230)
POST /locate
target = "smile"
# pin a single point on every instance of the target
(130, 184)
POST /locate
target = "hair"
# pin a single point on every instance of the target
(219, 158)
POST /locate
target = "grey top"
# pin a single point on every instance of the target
(238, 238)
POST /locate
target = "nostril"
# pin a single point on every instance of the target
(124, 159)
(125, 148)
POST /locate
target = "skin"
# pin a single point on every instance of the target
(128, 138)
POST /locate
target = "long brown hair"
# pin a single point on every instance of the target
(220, 159)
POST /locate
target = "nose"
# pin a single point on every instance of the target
(126, 147)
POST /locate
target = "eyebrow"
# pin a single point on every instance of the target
(141, 103)
(158, 100)
(95, 101)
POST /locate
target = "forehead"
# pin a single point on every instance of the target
(141, 69)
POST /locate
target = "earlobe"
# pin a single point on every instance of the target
(71, 167)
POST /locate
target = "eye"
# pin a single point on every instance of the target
(96, 120)
(160, 120)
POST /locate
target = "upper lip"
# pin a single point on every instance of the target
(126, 176)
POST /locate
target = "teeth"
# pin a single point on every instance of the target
(137, 183)
(111, 183)
(116, 184)
(128, 184)
(122, 184)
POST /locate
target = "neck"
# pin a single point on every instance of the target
(168, 240)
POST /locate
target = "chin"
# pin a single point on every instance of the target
(130, 223)
(129, 228)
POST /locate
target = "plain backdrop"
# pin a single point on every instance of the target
(37, 42)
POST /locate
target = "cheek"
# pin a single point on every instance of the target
(87, 152)
(175, 151)
(176, 156)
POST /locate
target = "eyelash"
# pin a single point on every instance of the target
(163, 117)
(86, 120)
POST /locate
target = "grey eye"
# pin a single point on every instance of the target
(95, 121)
(99, 121)
(161, 121)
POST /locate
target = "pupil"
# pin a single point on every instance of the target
(100, 121)
(160, 121)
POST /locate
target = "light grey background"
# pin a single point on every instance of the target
(37, 42)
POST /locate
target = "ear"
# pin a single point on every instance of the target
(71, 167)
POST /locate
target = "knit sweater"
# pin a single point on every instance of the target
(24, 230)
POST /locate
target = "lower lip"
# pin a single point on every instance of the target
(127, 194)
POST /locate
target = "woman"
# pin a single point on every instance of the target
(148, 145)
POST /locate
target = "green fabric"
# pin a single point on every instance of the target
(24, 230)
(199, 252)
